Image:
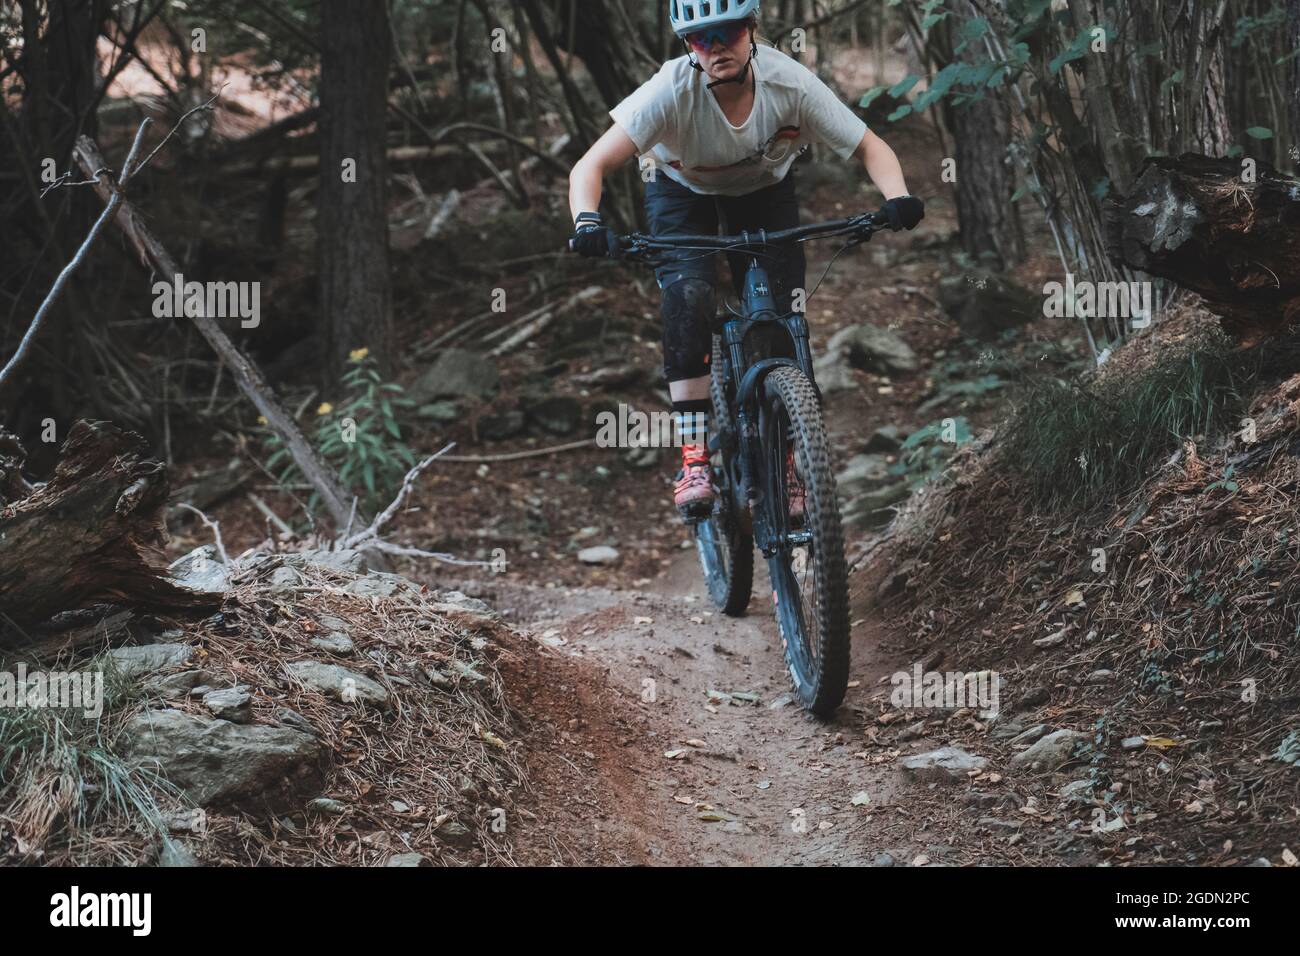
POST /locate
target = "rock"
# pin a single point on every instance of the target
(381, 584)
(175, 854)
(883, 859)
(833, 374)
(328, 806)
(602, 554)
(1027, 737)
(291, 718)
(885, 439)
(284, 581)
(1101, 676)
(443, 412)
(1133, 743)
(147, 658)
(507, 424)
(405, 859)
(175, 685)
(338, 682)
(1050, 751)
(559, 414)
(1006, 729)
(455, 373)
(234, 704)
(354, 562)
(945, 765)
(1051, 640)
(453, 831)
(335, 642)
(463, 601)
(216, 762)
(913, 732)
(1077, 791)
(860, 472)
(873, 349)
(874, 509)
(201, 570)
(989, 305)
(1033, 697)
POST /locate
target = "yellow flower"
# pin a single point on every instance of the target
(324, 408)
(357, 355)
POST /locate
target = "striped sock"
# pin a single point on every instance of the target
(691, 422)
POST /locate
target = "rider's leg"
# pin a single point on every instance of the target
(689, 301)
(688, 306)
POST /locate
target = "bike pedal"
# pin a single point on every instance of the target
(696, 512)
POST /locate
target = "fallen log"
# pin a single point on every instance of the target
(1231, 237)
(88, 533)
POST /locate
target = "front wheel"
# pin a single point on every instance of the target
(809, 576)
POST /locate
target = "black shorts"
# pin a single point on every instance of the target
(672, 208)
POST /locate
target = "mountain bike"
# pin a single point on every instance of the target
(768, 442)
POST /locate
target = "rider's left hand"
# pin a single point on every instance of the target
(904, 212)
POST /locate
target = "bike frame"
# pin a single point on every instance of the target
(757, 308)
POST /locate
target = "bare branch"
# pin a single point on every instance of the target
(408, 483)
(216, 530)
(105, 217)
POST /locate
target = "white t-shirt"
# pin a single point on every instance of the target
(675, 118)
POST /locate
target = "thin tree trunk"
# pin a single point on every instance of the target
(352, 218)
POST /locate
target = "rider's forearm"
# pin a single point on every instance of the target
(585, 182)
(882, 166)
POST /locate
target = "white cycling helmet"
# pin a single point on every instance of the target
(687, 16)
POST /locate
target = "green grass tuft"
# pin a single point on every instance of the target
(1078, 443)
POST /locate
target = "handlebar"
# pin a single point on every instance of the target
(859, 227)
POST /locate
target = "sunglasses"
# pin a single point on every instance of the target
(726, 34)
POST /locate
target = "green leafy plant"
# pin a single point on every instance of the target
(924, 453)
(360, 436)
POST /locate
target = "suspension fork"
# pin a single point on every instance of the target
(734, 339)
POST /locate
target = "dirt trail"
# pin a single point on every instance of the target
(756, 783)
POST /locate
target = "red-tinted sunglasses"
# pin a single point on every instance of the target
(726, 34)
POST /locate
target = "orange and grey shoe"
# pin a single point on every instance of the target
(794, 490)
(694, 492)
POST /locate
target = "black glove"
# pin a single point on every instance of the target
(594, 240)
(904, 212)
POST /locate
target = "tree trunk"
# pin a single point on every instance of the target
(1237, 244)
(352, 221)
(85, 535)
(989, 222)
(1293, 73)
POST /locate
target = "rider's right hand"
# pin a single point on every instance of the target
(593, 239)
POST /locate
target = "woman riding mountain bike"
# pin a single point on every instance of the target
(724, 127)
